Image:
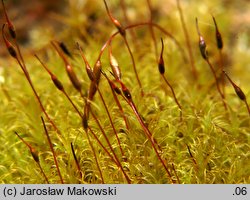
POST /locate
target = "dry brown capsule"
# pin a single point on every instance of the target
(85, 121)
(64, 49)
(71, 74)
(218, 35)
(115, 88)
(202, 43)
(89, 71)
(57, 83)
(73, 78)
(53, 77)
(239, 92)
(8, 45)
(32, 150)
(34, 155)
(161, 66)
(97, 71)
(114, 66)
(126, 92)
(11, 27)
(237, 89)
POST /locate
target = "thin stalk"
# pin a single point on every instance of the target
(112, 87)
(94, 76)
(238, 91)
(34, 156)
(217, 84)
(40, 102)
(203, 51)
(58, 85)
(110, 119)
(110, 146)
(222, 69)
(146, 130)
(134, 66)
(44, 175)
(93, 150)
(117, 162)
(219, 42)
(95, 156)
(89, 141)
(72, 103)
(122, 32)
(52, 150)
(150, 137)
(21, 56)
(175, 98)
(104, 148)
(27, 76)
(161, 68)
(128, 98)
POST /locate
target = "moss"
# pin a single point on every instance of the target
(208, 145)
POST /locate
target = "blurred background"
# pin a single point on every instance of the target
(51, 17)
(39, 21)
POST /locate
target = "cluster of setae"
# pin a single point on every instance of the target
(134, 123)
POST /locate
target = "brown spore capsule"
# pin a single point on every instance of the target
(11, 27)
(161, 66)
(115, 88)
(53, 77)
(240, 93)
(12, 51)
(72, 76)
(85, 121)
(89, 71)
(202, 43)
(126, 92)
(65, 49)
(8, 45)
(97, 71)
(57, 83)
(218, 35)
(114, 66)
(237, 89)
(34, 155)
